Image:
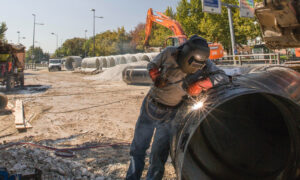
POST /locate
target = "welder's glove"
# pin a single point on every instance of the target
(154, 73)
(199, 86)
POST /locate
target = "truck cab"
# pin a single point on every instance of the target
(55, 65)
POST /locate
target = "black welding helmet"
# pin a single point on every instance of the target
(193, 54)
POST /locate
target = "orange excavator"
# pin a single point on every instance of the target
(216, 49)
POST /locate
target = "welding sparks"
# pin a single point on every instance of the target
(197, 105)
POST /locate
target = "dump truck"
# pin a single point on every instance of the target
(12, 64)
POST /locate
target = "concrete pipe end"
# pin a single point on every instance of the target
(252, 136)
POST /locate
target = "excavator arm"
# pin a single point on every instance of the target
(166, 21)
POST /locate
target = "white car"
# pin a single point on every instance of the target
(55, 65)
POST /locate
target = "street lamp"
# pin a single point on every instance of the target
(85, 31)
(19, 37)
(34, 23)
(56, 39)
(94, 17)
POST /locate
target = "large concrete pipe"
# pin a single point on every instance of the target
(132, 58)
(72, 62)
(105, 62)
(136, 75)
(120, 59)
(84, 63)
(246, 130)
(146, 57)
(93, 63)
(112, 61)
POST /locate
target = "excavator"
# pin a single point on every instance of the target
(280, 23)
(216, 49)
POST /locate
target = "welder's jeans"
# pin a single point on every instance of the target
(151, 116)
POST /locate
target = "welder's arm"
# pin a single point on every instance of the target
(197, 87)
(216, 77)
(155, 65)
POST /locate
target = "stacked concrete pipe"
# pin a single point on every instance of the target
(111, 61)
(72, 62)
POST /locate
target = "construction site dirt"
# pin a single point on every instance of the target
(67, 110)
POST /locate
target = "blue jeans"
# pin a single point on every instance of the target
(151, 116)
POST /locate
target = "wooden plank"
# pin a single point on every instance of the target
(19, 113)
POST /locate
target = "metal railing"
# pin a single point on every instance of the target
(246, 59)
(30, 65)
(34, 66)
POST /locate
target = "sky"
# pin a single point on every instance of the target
(70, 18)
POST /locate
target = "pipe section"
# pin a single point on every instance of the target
(136, 75)
(72, 62)
(246, 130)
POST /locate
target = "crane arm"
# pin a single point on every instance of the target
(163, 20)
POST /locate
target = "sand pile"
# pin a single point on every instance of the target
(115, 73)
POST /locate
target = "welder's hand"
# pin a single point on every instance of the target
(199, 86)
(154, 73)
(160, 82)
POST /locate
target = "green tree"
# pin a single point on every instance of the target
(3, 29)
(36, 55)
(215, 27)
(110, 43)
(71, 47)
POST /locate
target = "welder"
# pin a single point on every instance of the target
(177, 72)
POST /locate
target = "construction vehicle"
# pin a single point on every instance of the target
(280, 23)
(297, 52)
(55, 65)
(216, 49)
(12, 64)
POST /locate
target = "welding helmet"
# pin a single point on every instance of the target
(193, 54)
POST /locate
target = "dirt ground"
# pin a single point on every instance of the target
(67, 110)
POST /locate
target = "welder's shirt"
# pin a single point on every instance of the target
(177, 80)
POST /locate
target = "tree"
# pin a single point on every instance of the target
(110, 43)
(36, 55)
(215, 27)
(71, 47)
(3, 29)
(138, 37)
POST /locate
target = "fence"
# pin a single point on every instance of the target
(30, 65)
(272, 58)
(34, 66)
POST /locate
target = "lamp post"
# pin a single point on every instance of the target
(19, 37)
(34, 23)
(85, 31)
(56, 39)
(94, 17)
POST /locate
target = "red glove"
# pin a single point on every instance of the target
(197, 87)
(154, 73)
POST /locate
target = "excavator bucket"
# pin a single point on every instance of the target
(280, 22)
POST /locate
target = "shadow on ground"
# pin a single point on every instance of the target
(28, 89)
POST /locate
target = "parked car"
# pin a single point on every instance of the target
(55, 65)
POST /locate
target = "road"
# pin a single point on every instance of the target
(68, 110)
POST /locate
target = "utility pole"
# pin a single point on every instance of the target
(34, 23)
(18, 36)
(56, 39)
(94, 38)
(85, 31)
(229, 6)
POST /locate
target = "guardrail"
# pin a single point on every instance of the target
(30, 65)
(272, 58)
